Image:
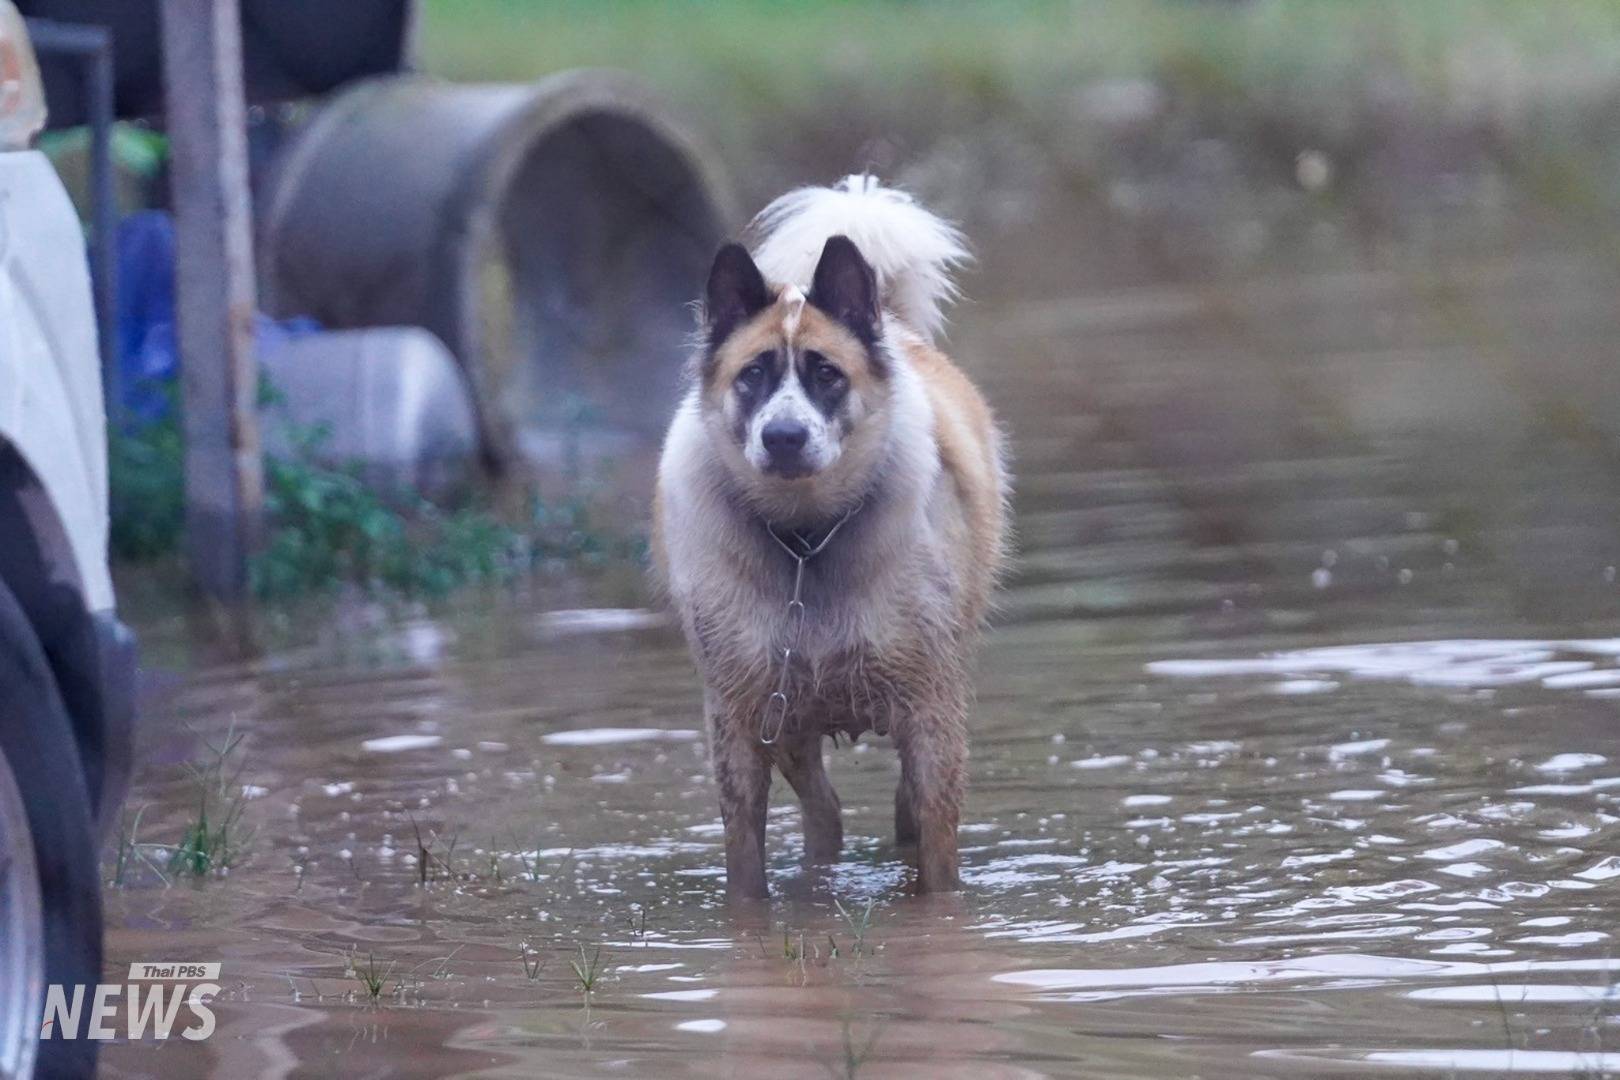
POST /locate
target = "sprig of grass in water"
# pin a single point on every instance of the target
(441, 970)
(857, 927)
(212, 841)
(532, 961)
(1502, 1011)
(130, 850)
(587, 971)
(855, 1060)
(127, 831)
(371, 980)
(300, 865)
(427, 858)
(531, 866)
(797, 954)
(1602, 1019)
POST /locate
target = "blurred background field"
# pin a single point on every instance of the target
(1132, 140)
(1374, 219)
(1262, 278)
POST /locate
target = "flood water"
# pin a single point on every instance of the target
(1295, 752)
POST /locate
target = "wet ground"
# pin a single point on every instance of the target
(1295, 752)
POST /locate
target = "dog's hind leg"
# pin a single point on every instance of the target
(933, 766)
(800, 761)
(742, 770)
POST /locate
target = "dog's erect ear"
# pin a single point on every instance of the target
(736, 292)
(845, 287)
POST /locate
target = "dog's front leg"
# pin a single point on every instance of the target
(742, 770)
(933, 771)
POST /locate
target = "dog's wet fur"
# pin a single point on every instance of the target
(817, 397)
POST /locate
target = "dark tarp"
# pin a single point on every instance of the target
(290, 49)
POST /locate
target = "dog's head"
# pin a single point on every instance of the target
(795, 384)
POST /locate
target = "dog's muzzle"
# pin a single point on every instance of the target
(784, 442)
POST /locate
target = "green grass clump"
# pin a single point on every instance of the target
(207, 845)
(533, 962)
(370, 978)
(327, 528)
(130, 852)
(856, 924)
(213, 839)
(587, 969)
(146, 489)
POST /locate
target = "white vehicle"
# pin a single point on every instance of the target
(66, 663)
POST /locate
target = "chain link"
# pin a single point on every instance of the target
(801, 550)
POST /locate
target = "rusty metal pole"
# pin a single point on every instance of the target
(206, 117)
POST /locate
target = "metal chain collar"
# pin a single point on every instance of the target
(801, 549)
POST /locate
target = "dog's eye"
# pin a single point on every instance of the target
(750, 378)
(827, 375)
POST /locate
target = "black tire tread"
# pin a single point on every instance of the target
(38, 740)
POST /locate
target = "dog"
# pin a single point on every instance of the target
(830, 518)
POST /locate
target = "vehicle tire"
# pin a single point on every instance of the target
(37, 741)
(22, 946)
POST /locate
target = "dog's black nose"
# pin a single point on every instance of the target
(784, 439)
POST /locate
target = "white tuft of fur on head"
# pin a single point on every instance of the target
(912, 251)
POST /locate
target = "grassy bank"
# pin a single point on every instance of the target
(329, 529)
(788, 52)
(1173, 137)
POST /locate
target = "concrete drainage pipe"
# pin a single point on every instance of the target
(551, 234)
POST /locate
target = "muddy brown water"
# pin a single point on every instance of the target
(1295, 752)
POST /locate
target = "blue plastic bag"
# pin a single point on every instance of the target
(149, 355)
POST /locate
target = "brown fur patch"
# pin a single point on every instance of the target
(968, 441)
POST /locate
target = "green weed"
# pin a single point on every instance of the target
(146, 489)
(432, 866)
(854, 1060)
(587, 970)
(857, 926)
(213, 840)
(532, 962)
(130, 851)
(371, 980)
(327, 528)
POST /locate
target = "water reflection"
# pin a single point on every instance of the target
(1462, 664)
(1289, 759)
